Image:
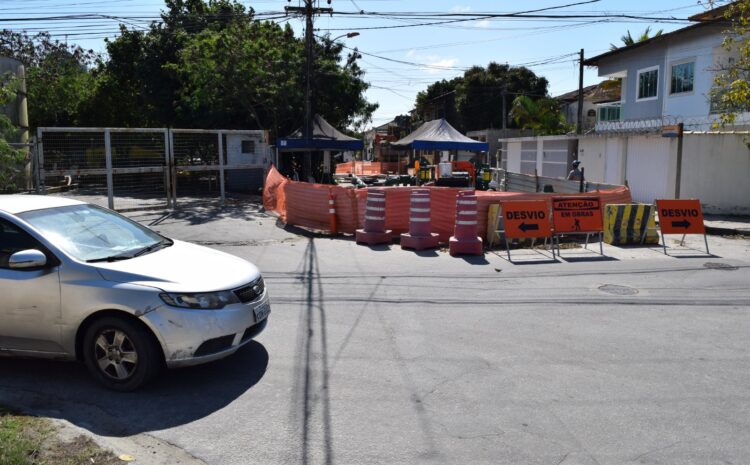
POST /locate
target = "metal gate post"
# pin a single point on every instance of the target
(108, 162)
(40, 186)
(221, 167)
(167, 169)
(172, 168)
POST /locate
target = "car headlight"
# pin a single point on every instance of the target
(204, 301)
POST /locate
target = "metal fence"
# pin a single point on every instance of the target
(517, 182)
(129, 169)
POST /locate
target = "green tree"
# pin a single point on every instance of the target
(438, 100)
(541, 115)
(730, 94)
(58, 76)
(211, 64)
(480, 93)
(11, 159)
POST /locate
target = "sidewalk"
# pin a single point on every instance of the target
(723, 225)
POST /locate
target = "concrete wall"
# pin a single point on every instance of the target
(716, 170)
(715, 167)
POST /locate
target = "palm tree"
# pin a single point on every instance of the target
(628, 39)
(542, 115)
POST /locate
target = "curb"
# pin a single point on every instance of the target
(719, 231)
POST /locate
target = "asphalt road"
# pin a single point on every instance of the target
(382, 356)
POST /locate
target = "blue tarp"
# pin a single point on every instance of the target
(325, 137)
(439, 135)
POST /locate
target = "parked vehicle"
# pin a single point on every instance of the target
(82, 282)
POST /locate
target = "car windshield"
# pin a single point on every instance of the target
(90, 233)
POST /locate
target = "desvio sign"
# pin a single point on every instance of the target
(680, 216)
(577, 214)
(528, 218)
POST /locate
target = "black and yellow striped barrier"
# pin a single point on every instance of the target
(626, 224)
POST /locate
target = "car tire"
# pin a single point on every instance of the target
(121, 354)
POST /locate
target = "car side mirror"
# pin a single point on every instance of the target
(26, 259)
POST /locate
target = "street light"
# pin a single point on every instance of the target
(348, 35)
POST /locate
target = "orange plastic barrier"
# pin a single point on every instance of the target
(306, 205)
(370, 167)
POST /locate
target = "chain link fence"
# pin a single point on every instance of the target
(131, 169)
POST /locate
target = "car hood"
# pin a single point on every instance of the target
(182, 267)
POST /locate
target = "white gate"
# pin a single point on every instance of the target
(648, 168)
(131, 169)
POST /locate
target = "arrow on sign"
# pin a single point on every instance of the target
(528, 227)
(681, 224)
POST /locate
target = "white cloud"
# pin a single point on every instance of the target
(485, 23)
(435, 62)
(460, 9)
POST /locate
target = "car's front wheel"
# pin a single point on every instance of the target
(122, 355)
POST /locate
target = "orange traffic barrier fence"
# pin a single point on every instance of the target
(306, 205)
(370, 167)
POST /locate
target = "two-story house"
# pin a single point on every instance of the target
(666, 79)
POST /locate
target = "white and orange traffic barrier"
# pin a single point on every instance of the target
(374, 231)
(465, 240)
(332, 212)
(420, 235)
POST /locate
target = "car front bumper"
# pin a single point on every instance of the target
(191, 337)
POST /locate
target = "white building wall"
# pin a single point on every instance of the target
(514, 157)
(592, 153)
(699, 49)
(715, 167)
(716, 170)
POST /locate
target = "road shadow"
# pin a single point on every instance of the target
(66, 391)
(587, 258)
(311, 402)
(473, 259)
(524, 255)
(199, 214)
(377, 247)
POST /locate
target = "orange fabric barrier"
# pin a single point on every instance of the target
(306, 205)
(370, 167)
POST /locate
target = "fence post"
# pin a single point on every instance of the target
(167, 169)
(108, 162)
(172, 168)
(221, 167)
(583, 176)
(41, 188)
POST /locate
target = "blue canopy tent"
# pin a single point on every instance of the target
(439, 135)
(324, 137)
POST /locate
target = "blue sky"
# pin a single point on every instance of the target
(548, 47)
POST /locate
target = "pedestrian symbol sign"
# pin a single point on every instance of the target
(528, 218)
(680, 217)
(577, 214)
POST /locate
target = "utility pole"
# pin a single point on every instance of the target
(308, 10)
(579, 128)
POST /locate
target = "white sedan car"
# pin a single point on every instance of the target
(81, 282)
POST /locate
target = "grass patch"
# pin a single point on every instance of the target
(27, 440)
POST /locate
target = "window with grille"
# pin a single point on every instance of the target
(683, 75)
(648, 83)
